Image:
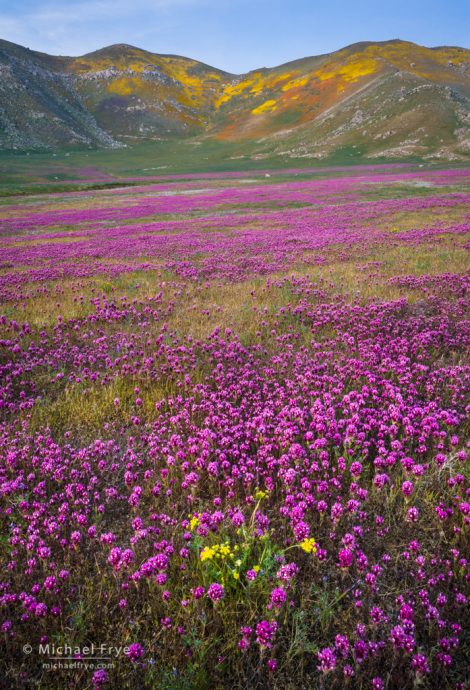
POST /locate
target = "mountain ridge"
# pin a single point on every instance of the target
(390, 98)
(356, 45)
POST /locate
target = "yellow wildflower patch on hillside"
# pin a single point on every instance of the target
(266, 107)
(269, 82)
(254, 84)
(235, 89)
(179, 71)
(137, 66)
(435, 65)
(295, 83)
(123, 86)
(349, 71)
(135, 60)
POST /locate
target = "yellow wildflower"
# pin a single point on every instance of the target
(207, 553)
(194, 522)
(308, 545)
(265, 107)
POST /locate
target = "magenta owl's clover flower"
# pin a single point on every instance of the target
(44, 552)
(40, 610)
(401, 639)
(355, 469)
(301, 531)
(345, 557)
(412, 514)
(135, 651)
(464, 508)
(327, 659)
(420, 664)
(215, 592)
(336, 511)
(272, 665)
(287, 571)
(444, 659)
(50, 582)
(406, 612)
(380, 480)
(407, 488)
(100, 678)
(265, 632)
(245, 642)
(278, 597)
(114, 557)
(342, 645)
(238, 519)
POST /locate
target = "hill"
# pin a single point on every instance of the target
(393, 99)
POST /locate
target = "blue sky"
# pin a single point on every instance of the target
(236, 35)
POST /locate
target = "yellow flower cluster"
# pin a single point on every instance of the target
(207, 554)
(222, 551)
(193, 523)
(259, 495)
(308, 545)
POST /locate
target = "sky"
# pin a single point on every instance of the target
(235, 35)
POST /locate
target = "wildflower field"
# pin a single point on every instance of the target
(233, 416)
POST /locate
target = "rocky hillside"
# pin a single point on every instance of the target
(392, 99)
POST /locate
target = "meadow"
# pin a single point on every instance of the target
(234, 431)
